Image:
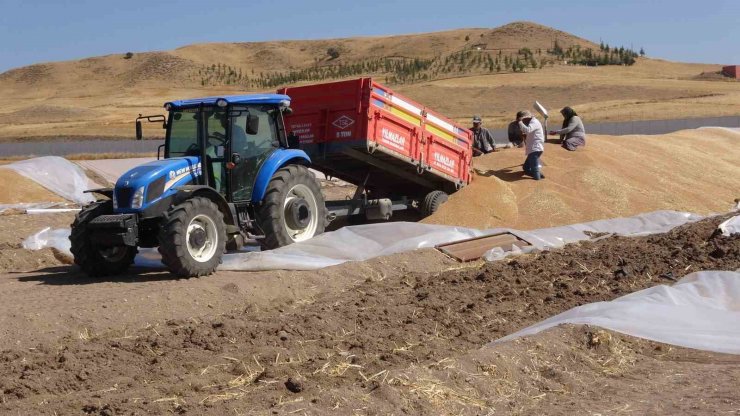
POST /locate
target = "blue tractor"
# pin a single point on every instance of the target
(228, 175)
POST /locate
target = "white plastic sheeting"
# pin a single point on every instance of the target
(357, 243)
(700, 311)
(57, 238)
(26, 207)
(731, 226)
(58, 175)
(367, 241)
(364, 242)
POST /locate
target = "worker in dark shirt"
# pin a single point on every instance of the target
(515, 133)
(482, 138)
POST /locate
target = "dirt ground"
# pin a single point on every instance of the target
(404, 334)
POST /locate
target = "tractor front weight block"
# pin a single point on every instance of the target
(114, 230)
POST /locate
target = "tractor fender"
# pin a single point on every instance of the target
(189, 191)
(274, 162)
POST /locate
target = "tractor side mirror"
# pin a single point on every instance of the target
(287, 111)
(150, 119)
(253, 124)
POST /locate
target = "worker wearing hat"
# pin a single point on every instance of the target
(534, 143)
(482, 138)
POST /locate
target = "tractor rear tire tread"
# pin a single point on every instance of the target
(270, 212)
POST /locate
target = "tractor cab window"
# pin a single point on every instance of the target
(250, 144)
(183, 132)
(216, 123)
(183, 140)
(253, 147)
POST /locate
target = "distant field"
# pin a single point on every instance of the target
(649, 90)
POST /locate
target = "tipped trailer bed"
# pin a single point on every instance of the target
(397, 152)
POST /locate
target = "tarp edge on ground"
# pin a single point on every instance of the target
(363, 242)
(701, 311)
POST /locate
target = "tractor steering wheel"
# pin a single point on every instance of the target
(220, 137)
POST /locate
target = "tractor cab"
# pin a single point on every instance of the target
(231, 136)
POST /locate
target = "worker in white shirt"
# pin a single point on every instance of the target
(534, 144)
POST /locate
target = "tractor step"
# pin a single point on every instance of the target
(114, 221)
(114, 230)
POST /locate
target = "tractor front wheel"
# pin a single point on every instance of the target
(92, 258)
(192, 238)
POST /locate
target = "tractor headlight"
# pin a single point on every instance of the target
(222, 103)
(138, 200)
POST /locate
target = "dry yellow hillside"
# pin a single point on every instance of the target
(100, 96)
(613, 176)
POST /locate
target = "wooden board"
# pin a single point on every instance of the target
(473, 248)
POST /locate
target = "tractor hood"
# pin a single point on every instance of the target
(150, 182)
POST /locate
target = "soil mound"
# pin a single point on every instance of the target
(406, 344)
(17, 189)
(613, 176)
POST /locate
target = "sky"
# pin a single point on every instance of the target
(33, 31)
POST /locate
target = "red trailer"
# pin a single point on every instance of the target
(732, 71)
(391, 147)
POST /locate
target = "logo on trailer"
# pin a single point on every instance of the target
(393, 139)
(343, 122)
(444, 161)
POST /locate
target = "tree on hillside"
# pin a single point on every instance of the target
(556, 50)
(333, 53)
(642, 52)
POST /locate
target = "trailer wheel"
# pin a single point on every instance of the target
(192, 238)
(431, 203)
(293, 209)
(93, 259)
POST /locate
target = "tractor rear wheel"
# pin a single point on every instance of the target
(192, 238)
(431, 203)
(293, 209)
(92, 258)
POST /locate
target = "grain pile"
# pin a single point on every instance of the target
(17, 189)
(613, 176)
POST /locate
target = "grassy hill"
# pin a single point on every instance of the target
(493, 72)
